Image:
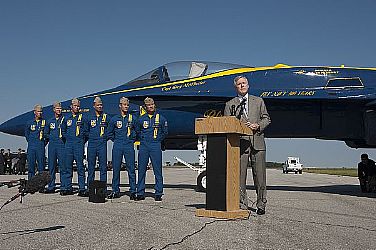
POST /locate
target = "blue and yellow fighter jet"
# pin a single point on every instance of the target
(333, 103)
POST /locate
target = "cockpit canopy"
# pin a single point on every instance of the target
(182, 70)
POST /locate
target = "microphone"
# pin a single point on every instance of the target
(232, 110)
(31, 186)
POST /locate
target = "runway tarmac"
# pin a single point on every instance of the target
(307, 211)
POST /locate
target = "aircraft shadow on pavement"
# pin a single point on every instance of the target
(198, 206)
(36, 230)
(175, 186)
(351, 190)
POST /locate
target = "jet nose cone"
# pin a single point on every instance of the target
(10, 127)
(16, 125)
(4, 127)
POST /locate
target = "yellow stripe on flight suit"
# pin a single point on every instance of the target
(129, 121)
(156, 124)
(41, 129)
(78, 127)
(60, 133)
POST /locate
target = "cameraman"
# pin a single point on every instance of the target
(367, 174)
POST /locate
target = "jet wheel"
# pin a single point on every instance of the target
(201, 182)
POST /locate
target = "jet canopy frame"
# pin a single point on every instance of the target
(181, 70)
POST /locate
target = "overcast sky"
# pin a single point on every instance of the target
(55, 50)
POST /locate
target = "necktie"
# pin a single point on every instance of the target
(244, 107)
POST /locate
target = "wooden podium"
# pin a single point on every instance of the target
(222, 166)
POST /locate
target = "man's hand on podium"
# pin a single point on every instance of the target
(253, 126)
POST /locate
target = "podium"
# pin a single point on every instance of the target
(222, 166)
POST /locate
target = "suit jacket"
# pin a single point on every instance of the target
(2, 159)
(257, 113)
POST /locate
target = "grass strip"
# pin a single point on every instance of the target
(333, 171)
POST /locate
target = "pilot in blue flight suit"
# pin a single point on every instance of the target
(152, 129)
(121, 131)
(54, 133)
(34, 133)
(75, 134)
(97, 124)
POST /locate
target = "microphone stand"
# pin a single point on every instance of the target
(21, 190)
(33, 185)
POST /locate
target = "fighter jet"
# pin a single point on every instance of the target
(324, 102)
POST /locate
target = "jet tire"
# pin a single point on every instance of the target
(201, 182)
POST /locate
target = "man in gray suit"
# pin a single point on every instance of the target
(252, 111)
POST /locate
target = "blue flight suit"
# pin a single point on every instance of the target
(151, 130)
(34, 133)
(75, 136)
(121, 131)
(97, 145)
(54, 134)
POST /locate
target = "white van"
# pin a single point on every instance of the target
(292, 165)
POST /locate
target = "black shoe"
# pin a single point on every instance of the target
(83, 193)
(133, 197)
(49, 191)
(66, 192)
(70, 192)
(158, 198)
(139, 198)
(260, 211)
(113, 196)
